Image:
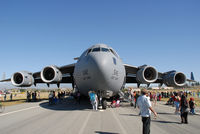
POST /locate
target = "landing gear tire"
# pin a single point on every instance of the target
(104, 104)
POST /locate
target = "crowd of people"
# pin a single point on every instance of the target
(4, 97)
(174, 98)
(139, 99)
(53, 99)
(179, 99)
(183, 101)
(32, 96)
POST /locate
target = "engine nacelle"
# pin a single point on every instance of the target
(174, 79)
(146, 75)
(51, 74)
(22, 79)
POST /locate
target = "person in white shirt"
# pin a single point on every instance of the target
(145, 107)
(96, 102)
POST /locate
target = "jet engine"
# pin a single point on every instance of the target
(174, 79)
(51, 74)
(146, 75)
(22, 79)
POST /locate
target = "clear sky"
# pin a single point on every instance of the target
(161, 33)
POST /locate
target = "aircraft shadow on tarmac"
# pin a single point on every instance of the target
(69, 104)
(159, 121)
(129, 115)
(99, 132)
(166, 113)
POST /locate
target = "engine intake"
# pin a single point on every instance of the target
(22, 79)
(51, 74)
(174, 79)
(146, 75)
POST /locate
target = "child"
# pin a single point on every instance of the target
(113, 104)
(118, 103)
(192, 105)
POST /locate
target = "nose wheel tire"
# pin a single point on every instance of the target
(104, 104)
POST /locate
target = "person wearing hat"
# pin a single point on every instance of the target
(145, 107)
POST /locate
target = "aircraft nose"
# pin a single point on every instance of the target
(101, 68)
(106, 71)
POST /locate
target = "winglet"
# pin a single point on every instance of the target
(6, 80)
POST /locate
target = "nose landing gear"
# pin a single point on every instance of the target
(104, 103)
(102, 100)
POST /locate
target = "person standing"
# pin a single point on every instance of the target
(145, 107)
(39, 95)
(136, 97)
(154, 99)
(79, 97)
(198, 92)
(5, 97)
(176, 103)
(96, 102)
(184, 109)
(11, 96)
(1, 97)
(192, 106)
(28, 96)
(92, 99)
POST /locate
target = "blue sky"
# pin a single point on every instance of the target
(161, 33)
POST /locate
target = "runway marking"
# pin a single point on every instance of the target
(85, 123)
(118, 122)
(18, 111)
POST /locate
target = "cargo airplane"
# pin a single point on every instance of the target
(100, 69)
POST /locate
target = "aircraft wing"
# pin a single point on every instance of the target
(189, 80)
(130, 69)
(131, 72)
(6, 80)
(148, 75)
(66, 72)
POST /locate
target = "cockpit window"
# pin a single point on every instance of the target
(89, 51)
(104, 50)
(113, 52)
(96, 49)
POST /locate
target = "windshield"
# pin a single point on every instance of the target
(96, 49)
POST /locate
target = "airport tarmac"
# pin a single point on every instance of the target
(72, 118)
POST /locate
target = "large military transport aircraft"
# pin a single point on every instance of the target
(100, 69)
